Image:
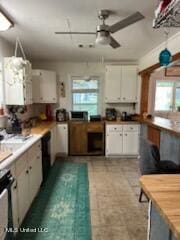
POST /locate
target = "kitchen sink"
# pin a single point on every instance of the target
(14, 143)
(10, 146)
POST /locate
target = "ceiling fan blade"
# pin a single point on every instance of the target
(80, 33)
(126, 22)
(114, 43)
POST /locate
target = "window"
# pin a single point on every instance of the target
(85, 95)
(167, 96)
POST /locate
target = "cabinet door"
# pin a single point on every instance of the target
(23, 194)
(78, 138)
(62, 139)
(129, 84)
(48, 92)
(28, 93)
(36, 88)
(53, 144)
(14, 198)
(35, 176)
(112, 84)
(114, 143)
(130, 143)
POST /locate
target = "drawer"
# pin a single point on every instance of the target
(21, 163)
(95, 127)
(114, 128)
(131, 128)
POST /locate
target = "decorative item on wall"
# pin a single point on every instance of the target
(165, 56)
(62, 89)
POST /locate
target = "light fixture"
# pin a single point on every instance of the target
(5, 22)
(103, 38)
(165, 56)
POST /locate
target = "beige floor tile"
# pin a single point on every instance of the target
(111, 217)
(115, 233)
(95, 218)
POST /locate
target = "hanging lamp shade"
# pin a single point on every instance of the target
(165, 57)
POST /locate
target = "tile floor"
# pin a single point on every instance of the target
(116, 213)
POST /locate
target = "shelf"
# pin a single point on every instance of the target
(168, 17)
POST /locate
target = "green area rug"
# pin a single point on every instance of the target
(62, 206)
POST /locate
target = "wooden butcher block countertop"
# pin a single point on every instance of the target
(4, 155)
(43, 127)
(164, 191)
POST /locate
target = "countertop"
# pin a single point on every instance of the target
(38, 131)
(164, 191)
(43, 127)
(163, 124)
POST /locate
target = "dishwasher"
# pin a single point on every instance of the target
(46, 154)
(6, 220)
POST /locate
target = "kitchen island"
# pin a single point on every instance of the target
(165, 134)
(164, 214)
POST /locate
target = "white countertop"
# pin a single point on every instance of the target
(17, 153)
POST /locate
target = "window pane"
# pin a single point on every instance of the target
(84, 84)
(91, 108)
(164, 96)
(82, 98)
(177, 100)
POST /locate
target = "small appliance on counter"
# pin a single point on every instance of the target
(95, 118)
(111, 114)
(127, 116)
(61, 115)
(79, 115)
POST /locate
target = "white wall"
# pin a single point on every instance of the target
(65, 70)
(153, 57)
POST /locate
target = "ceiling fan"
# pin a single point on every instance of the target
(103, 31)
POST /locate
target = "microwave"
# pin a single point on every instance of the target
(79, 115)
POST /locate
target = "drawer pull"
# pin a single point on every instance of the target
(27, 172)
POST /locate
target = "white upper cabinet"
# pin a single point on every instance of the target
(121, 84)
(18, 81)
(113, 84)
(129, 84)
(44, 86)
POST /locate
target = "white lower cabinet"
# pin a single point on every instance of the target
(62, 139)
(35, 176)
(130, 143)
(53, 145)
(14, 199)
(23, 194)
(114, 143)
(28, 178)
(122, 140)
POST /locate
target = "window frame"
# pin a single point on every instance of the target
(173, 109)
(98, 90)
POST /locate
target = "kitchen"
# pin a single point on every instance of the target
(77, 111)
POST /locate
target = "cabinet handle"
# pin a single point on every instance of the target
(125, 134)
(120, 134)
(30, 167)
(27, 171)
(15, 187)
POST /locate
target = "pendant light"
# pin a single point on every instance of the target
(165, 56)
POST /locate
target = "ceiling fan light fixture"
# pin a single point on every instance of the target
(5, 23)
(103, 38)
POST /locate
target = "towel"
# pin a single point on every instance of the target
(3, 213)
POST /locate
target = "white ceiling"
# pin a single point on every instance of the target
(37, 20)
